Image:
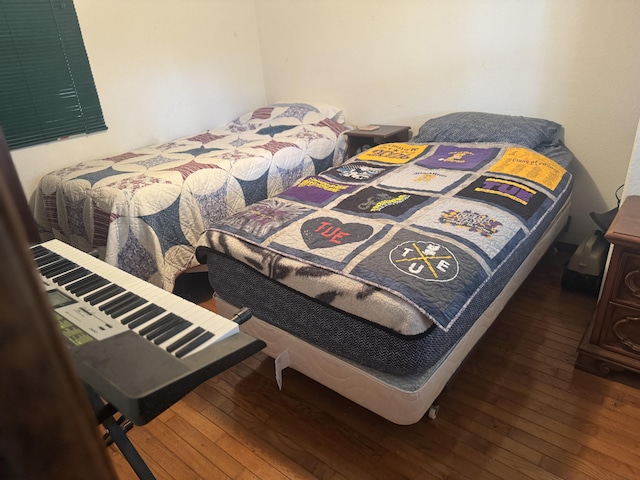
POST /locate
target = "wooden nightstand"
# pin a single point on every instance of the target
(612, 341)
(356, 139)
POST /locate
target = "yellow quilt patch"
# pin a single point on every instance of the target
(524, 163)
(393, 152)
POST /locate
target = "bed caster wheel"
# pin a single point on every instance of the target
(433, 411)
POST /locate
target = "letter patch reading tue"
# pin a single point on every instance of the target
(426, 260)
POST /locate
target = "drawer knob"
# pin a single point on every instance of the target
(630, 325)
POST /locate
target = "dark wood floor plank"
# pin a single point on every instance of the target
(491, 429)
(150, 445)
(198, 461)
(436, 453)
(253, 447)
(198, 437)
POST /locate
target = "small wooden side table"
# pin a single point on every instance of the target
(612, 341)
(356, 139)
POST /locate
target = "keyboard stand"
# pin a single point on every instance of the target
(105, 415)
(128, 371)
(135, 410)
(223, 355)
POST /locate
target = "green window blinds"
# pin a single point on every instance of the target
(46, 86)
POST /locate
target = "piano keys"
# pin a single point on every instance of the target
(127, 301)
(140, 347)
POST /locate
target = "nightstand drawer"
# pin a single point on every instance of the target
(627, 286)
(622, 330)
(612, 341)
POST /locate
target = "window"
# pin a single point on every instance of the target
(46, 86)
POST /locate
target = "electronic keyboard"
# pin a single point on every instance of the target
(138, 346)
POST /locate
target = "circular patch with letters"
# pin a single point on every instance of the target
(428, 261)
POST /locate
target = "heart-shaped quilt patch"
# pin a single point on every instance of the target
(325, 232)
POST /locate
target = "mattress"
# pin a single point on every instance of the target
(400, 296)
(143, 211)
(401, 399)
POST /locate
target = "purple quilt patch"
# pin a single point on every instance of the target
(317, 190)
(459, 158)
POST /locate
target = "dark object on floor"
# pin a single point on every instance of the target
(585, 268)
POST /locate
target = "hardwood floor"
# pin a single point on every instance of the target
(516, 410)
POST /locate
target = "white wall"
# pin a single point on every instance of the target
(632, 183)
(163, 69)
(167, 68)
(576, 62)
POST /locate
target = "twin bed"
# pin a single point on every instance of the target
(377, 277)
(143, 211)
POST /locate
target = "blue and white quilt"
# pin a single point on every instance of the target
(404, 235)
(145, 210)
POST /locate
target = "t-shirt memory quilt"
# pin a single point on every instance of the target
(423, 224)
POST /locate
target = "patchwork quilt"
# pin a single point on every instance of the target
(408, 236)
(144, 211)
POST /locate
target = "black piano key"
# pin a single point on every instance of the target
(39, 250)
(47, 258)
(142, 320)
(186, 339)
(55, 266)
(87, 284)
(73, 268)
(62, 269)
(152, 310)
(126, 308)
(146, 318)
(165, 328)
(53, 263)
(71, 276)
(116, 302)
(189, 347)
(173, 332)
(83, 281)
(110, 291)
(104, 294)
(94, 287)
(157, 324)
(111, 288)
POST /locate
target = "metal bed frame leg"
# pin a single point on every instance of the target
(116, 433)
